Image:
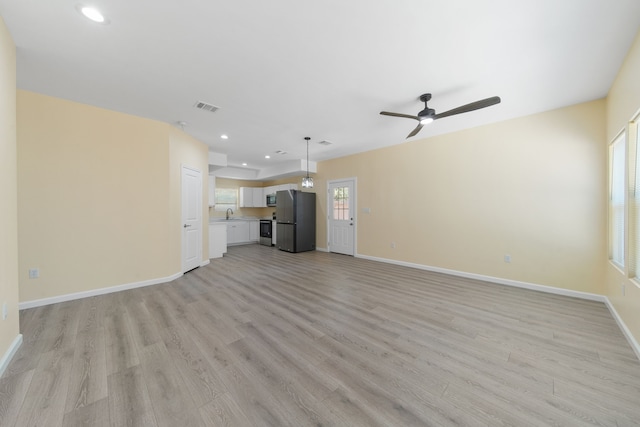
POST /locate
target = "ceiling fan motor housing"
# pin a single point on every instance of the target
(427, 112)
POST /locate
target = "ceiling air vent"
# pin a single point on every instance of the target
(281, 152)
(325, 142)
(205, 106)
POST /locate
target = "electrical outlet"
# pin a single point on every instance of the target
(393, 245)
(5, 311)
(34, 273)
(507, 259)
(623, 288)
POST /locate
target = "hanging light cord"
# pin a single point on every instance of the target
(307, 138)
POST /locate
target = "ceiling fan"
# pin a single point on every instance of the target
(429, 114)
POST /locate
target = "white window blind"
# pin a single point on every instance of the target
(617, 202)
(635, 211)
(226, 198)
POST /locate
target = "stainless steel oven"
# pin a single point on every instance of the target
(265, 232)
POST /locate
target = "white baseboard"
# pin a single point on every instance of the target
(532, 286)
(635, 346)
(94, 292)
(498, 280)
(322, 249)
(11, 351)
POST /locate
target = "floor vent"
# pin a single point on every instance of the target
(205, 106)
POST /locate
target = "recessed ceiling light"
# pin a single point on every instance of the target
(244, 164)
(267, 156)
(92, 13)
(223, 136)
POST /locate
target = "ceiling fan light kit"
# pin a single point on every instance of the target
(307, 181)
(428, 115)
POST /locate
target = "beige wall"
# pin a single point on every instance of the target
(623, 102)
(532, 188)
(9, 328)
(97, 197)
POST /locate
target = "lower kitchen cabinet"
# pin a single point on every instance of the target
(254, 231)
(237, 232)
(217, 240)
(241, 232)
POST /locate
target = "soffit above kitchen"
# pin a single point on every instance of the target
(271, 73)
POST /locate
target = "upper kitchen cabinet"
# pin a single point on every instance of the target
(256, 197)
(252, 197)
(246, 197)
(275, 188)
(259, 199)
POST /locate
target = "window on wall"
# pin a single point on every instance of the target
(341, 203)
(226, 198)
(617, 201)
(634, 137)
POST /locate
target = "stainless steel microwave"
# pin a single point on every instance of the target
(271, 199)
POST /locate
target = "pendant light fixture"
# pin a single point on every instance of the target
(307, 181)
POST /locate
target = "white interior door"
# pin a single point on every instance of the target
(341, 204)
(191, 218)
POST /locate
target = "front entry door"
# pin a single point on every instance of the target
(191, 218)
(341, 209)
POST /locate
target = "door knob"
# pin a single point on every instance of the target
(186, 225)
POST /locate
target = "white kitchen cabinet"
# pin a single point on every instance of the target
(238, 232)
(246, 197)
(252, 197)
(259, 199)
(254, 231)
(256, 197)
(217, 239)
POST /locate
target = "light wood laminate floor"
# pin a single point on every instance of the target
(267, 338)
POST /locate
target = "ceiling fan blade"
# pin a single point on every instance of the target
(406, 116)
(415, 131)
(470, 107)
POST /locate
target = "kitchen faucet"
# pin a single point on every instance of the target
(229, 209)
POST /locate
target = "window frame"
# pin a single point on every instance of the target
(634, 199)
(618, 190)
(221, 206)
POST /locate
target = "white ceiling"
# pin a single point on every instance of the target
(281, 70)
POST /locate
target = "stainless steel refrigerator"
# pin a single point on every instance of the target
(296, 221)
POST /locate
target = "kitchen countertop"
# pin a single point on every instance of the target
(240, 218)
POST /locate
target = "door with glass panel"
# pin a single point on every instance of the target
(341, 210)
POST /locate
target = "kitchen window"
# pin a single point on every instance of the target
(226, 198)
(617, 201)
